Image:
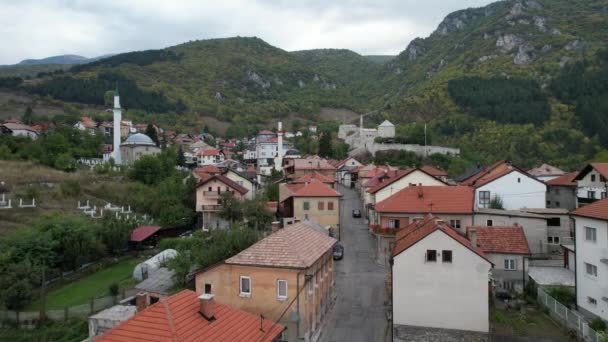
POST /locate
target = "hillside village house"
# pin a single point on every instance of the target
(287, 277)
(506, 247)
(185, 316)
(560, 228)
(435, 172)
(516, 188)
(390, 182)
(562, 191)
(546, 172)
(316, 177)
(440, 283)
(17, 129)
(244, 179)
(591, 183)
(210, 156)
(591, 236)
(344, 171)
(298, 167)
(314, 201)
(208, 199)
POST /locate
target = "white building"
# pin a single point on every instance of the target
(267, 147)
(18, 130)
(116, 155)
(386, 129)
(210, 156)
(546, 172)
(591, 183)
(516, 188)
(591, 237)
(439, 282)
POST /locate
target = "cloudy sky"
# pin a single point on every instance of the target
(42, 28)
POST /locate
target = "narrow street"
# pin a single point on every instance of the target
(359, 311)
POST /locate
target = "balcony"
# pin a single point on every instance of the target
(377, 229)
(210, 207)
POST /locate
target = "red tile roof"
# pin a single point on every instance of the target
(308, 178)
(426, 199)
(492, 173)
(209, 152)
(229, 182)
(311, 164)
(207, 169)
(435, 172)
(498, 239)
(316, 189)
(374, 172)
(383, 180)
(177, 318)
(295, 246)
(417, 231)
(141, 233)
(597, 210)
(602, 168)
(563, 180)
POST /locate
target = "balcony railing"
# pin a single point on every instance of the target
(377, 229)
(210, 207)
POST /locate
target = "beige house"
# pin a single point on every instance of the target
(316, 202)
(287, 277)
(243, 180)
(208, 194)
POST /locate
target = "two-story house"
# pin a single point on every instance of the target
(440, 284)
(298, 167)
(246, 179)
(513, 186)
(316, 177)
(209, 192)
(345, 171)
(287, 277)
(591, 183)
(591, 238)
(562, 191)
(314, 201)
(210, 156)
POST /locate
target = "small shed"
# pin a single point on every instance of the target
(147, 268)
(158, 285)
(109, 318)
(144, 235)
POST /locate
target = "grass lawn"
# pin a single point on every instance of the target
(93, 285)
(529, 322)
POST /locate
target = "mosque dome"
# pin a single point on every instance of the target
(139, 139)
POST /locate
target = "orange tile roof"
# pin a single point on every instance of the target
(563, 180)
(295, 246)
(316, 189)
(597, 210)
(308, 178)
(311, 164)
(492, 173)
(272, 206)
(227, 181)
(177, 318)
(207, 169)
(141, 233)
(209, 152)
(383, 180)
(502, 239)
(417, 231)
(373, 173)
(602, 168)
(426, 199)
(433, 171)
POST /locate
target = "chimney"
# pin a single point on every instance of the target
(276, 225)
(206, 306)
(473, 236)
(141, 301)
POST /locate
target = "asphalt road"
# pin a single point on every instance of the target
(359, 311)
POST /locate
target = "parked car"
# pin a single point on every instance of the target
(356, 213)
(338, 252)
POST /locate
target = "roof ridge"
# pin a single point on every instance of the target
(170, 321)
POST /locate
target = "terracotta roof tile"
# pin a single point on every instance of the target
(426, 199)
(295, 246)
(308, 178)
(311, 164)
(389, 177)
(502, 239)
(207, 169)
(229, 182)
(563, 180)
(597, 210)
(433, 171)
(177, 318)
(602, 168)
(141, 233)
(209, 152)
(316, 189)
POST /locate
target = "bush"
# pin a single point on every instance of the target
(114, 289)
(33, 192)
(562, 294)
(598, 324)
(496, 203)
(70, 188)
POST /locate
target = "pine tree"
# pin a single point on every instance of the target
(181, 160)
(325, 145)
(151, 132)
(28, 116)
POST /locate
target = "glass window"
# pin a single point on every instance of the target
(591, 269)
(554, 240)
(484, 198)
(510, 264)
(593, 178)
(591, 194)
(207, 288)
(321, 205)
(489, 223)
(590, 234)
(393, 223)
(455, 223)
(446, 256)
(553, 222)
(330, 205)
(282, 289)
(245, 286)
(431, 255)
(306, 205)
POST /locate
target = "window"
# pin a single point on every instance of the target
(455, 223)
(548, 203)
(245, 287)
(591, 269)
(321, 205)
(591, 194)
(431, 255)
(554, 222)
(484, 198)
(330, 205)
(446, 256)
(207, 288)
(306, 205)
(281, 289)
(510, 265)
(590, 234)
(489, 223)
(210, 189)
(593, 178)
(393, 223)
(557, 204)
(518, 180)
(591, 300)
(553, 240)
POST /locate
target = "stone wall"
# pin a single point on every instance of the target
(406, 333)
(420, 150)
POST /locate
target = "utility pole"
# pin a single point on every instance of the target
(43, 296)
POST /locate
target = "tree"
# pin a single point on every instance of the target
(115, 234)
(108, 98)
(231, 208)
(28, 116)
(151, 132)
(256, 214)
(496, 203)
(148, 170)
(181, 159)
(325, 149)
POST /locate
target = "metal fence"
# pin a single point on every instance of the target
(83, 310)
(569, 318)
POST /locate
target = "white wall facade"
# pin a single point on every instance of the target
(416, 177)
(516, 190)
(590, 286)
(592, 182)
(242, 181)
(441, 295)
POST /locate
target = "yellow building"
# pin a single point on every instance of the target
(287, 277)
(209, 192)
(314, 201)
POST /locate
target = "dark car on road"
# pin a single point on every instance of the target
(338, 252)
(356, 213)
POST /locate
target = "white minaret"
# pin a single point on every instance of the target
(117, 123)
(278, 161)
